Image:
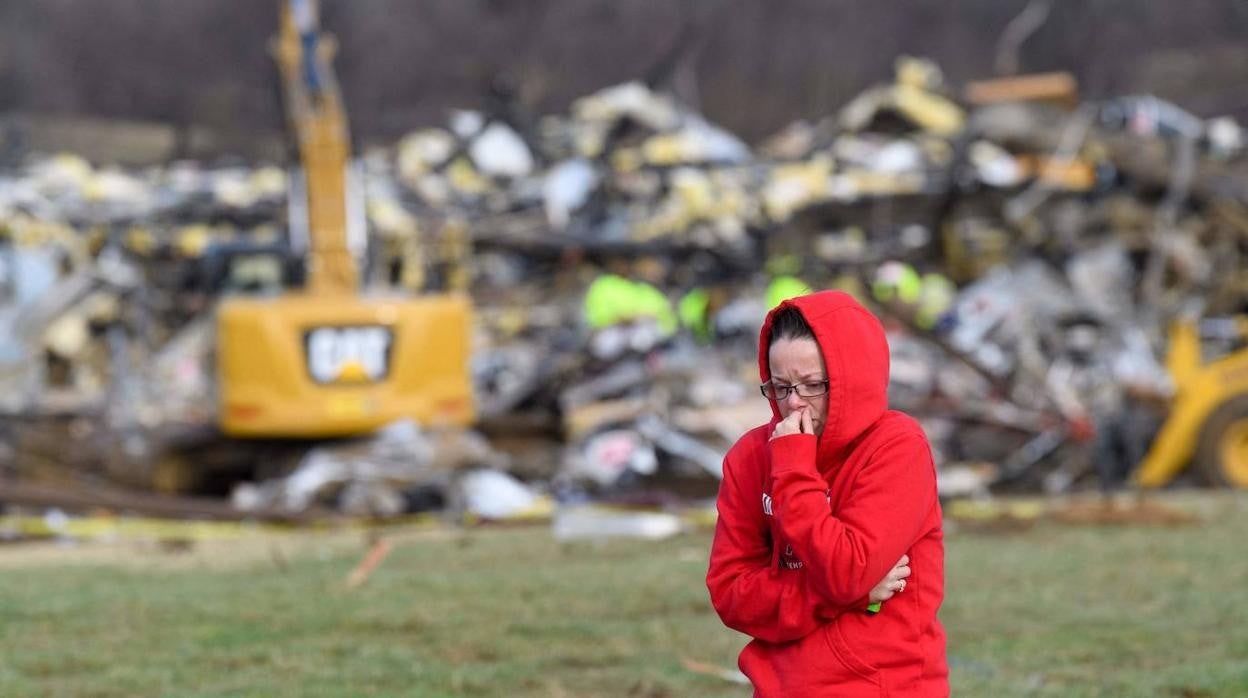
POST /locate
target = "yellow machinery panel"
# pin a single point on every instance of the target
(1208, 420)
(318, 365)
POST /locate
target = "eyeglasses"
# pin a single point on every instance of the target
(771, 391)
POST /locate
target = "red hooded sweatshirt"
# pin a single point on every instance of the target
(809, 525)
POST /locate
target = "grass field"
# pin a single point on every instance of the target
(1054, 610)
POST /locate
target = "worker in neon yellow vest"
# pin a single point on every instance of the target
(623, 313)
(925, 298)
(784, 287)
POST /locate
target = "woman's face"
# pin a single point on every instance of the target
(793, 362)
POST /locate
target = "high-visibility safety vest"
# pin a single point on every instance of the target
(693, 309)
(783, 288)
(897, 281)
(935, 300)
(612, 299)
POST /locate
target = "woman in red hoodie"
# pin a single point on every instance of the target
(819, 510)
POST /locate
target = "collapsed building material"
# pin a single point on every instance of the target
(72, 497)
(595, 523)
(399, 470)
(1020, 207)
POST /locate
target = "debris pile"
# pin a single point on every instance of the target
(1029, 254)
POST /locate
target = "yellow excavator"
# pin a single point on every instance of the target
(325, 360)
(1208, 422)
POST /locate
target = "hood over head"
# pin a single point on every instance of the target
(855, 352)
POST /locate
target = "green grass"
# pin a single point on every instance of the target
(1051, 611)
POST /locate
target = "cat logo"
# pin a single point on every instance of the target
(348, 354)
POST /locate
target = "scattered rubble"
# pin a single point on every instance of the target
(597, 523)
(1017, 243)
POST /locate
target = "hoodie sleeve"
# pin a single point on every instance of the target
(749, 592)
(881, 518)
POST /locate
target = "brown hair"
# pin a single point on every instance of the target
(788, 324)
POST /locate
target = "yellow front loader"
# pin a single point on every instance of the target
(1208, 422)
(324, 360)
